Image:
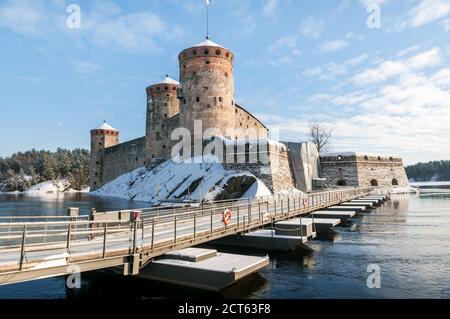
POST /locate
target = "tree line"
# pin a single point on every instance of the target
(20, 171)
(431, 171)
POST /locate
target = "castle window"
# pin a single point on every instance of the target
(226, 74)
(194, 52)
(374, 183)
(207, 62)
(198, 99)
(391, 159)
(366, 158)
(232, 102)
(165, 104)
(164, 147)
(165, 115)
(340, 158)
(394, 182)
(206, 51)
(241, 123)
(174, 89)
(248, 117)
(379, 158)
(96, 174)
(98, 163)
(166, 88)
(218, 52)
(227, 55)
(167, 95)
(220, 99)
(184, 101)
(100, 144)
(158, 88)
(136, 159)
(236, 111)
(205, 89)
(208, 106)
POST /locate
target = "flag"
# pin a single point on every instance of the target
(208, 2)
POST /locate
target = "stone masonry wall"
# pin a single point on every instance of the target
(123, 158)
(363, 170)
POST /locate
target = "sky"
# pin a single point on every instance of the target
(376, 72)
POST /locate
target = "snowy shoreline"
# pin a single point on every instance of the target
(49, 188)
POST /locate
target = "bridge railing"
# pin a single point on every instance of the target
(155, 233)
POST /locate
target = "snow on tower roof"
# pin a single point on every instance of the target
(208, 43)
(106, 126)
(169, 80)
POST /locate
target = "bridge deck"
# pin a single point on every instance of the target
(37, 249)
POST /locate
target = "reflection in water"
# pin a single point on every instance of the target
(407, 237)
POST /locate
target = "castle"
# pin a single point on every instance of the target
(206, 92)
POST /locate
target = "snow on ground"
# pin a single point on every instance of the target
(258, 189)
(192, 179)
(60, 186)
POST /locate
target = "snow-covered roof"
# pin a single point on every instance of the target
(208, 43)
(169, 80)
(358, 154)
(106, 126)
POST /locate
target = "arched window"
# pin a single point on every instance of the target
(374, 183)
(340, 158)
(342, 182)
(366, 158)
(395, 182)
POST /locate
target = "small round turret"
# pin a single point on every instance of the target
(162, 104)
(102, 137)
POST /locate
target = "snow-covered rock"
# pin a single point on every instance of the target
(60, 186)
(194, 179)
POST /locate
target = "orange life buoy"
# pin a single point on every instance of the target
(305, 201)
(227, 217)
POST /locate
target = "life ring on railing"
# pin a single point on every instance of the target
(305, 201)
(227, 217)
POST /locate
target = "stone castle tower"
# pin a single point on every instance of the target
(162, 105)
(206, 75)
(102, 137)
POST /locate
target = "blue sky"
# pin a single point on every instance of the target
(380, 90)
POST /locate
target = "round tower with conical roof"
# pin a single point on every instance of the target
(206, 75)
(102, 137)
(162, 104)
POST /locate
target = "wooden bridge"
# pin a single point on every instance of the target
(48, 246)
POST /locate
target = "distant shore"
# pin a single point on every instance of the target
(427, 185)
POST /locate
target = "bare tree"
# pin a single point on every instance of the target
(320, 136)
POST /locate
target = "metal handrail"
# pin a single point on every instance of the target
(207, 221)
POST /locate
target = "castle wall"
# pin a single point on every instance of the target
(363, 170)
(274, 170)
(245, 120)
(123, 158)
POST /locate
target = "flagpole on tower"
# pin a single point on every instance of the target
(207, 18)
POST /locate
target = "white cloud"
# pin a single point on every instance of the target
(331, 70)
(333, 45)
(446, 25)
(131, 31)
(284, 50)
(270, 8)
(393, 68)
(312, 27)
(22, 16)
(428, 11)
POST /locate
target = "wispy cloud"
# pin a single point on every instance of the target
(270, 8)
(334, 45)
(312, 27)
